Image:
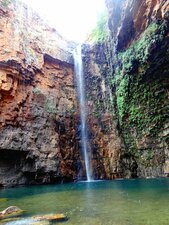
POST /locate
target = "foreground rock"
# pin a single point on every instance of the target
(11, 211)
(9, 215)
(51, 217)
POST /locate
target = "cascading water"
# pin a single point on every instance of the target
(83, 110)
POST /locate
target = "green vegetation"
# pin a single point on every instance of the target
(135, 99)
(122, 94)
(137, 78)
(141, 90)
(144, 109)
(100, 32)
(140, 50)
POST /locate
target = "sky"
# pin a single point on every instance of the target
(72, 18)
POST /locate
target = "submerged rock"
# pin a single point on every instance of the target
(45, 222)
(3, 199)
(11, 211)
(23, 221)
(8, 220)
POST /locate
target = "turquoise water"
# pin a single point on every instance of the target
(118, 202)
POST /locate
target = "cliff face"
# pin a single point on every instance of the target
(37, 101)
(128, 19)
(105, 141)
(127, 96)
(128, 75)
(25, 37)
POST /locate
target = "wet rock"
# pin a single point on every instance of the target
(128, 19)
(51, 217)
(11, 211)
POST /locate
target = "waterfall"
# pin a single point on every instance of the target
(83, 110)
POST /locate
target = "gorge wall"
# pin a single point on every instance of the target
(127, 92)
(127, 77)
(38, 142)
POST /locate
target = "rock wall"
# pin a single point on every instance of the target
(127, 76)
(105, 141)
(128, 19)
(38, 121)
(25, 37)
(38, 124)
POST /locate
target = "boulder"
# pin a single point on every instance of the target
(11, 211)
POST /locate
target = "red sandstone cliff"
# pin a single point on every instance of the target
(128, 19)
(37, 100)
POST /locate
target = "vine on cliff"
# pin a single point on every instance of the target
(134, 62)
(141, 89)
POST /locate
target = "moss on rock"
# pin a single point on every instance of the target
(141, 83)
